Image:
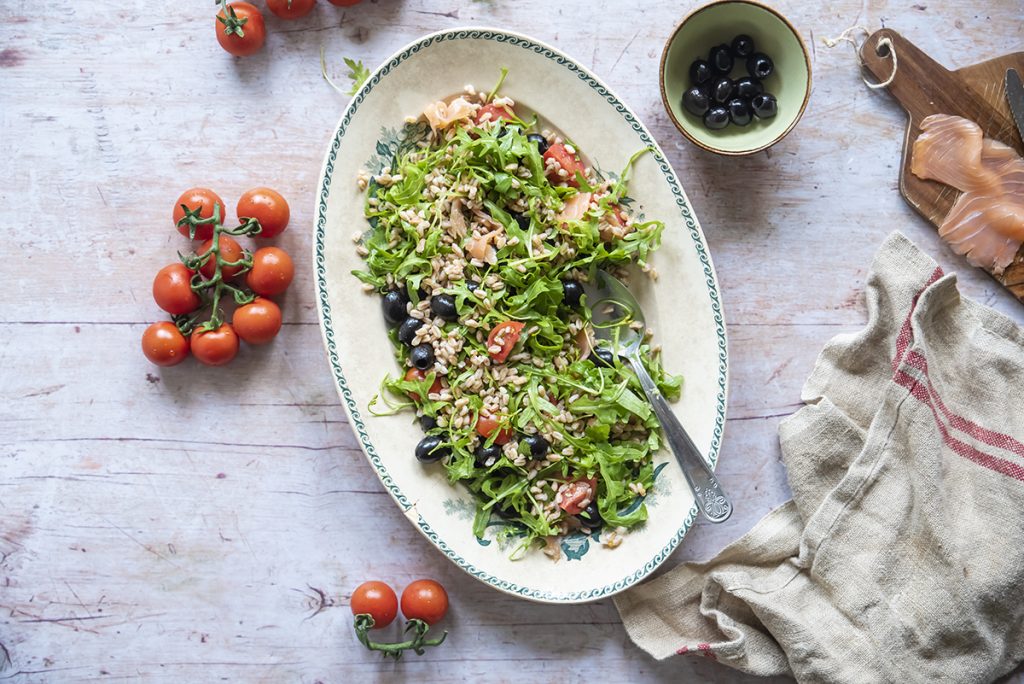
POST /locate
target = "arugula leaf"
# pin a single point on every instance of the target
(358, 73)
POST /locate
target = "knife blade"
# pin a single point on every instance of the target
(1015, 96)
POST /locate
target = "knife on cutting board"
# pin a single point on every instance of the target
(1015, 96)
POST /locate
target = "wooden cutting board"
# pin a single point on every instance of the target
(924, 87)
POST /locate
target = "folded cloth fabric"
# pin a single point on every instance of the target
(901, 555)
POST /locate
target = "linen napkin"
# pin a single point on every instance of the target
(900, 557)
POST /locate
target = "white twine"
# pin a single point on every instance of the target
(847, 36)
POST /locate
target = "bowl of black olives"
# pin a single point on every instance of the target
(735, 77)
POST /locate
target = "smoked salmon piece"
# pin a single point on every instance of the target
(986, 223)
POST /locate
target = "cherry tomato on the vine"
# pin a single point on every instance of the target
(257, 322)
(215, 347)
(377, 600)
(202, 199)
(425, 600)
(272, 271)
(172, 290)
(164, 345)
(230, 251)
(240, 30)
(291, 9)
(268, 207)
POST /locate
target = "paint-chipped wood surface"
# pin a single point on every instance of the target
(201, 525)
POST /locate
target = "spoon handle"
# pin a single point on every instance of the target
(710, 497)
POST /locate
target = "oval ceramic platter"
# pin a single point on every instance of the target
(683, 306)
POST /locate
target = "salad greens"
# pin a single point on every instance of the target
(591, 410)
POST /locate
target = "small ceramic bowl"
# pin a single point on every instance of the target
(718, 23)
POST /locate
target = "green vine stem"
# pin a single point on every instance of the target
(211, 290)
(227, 16)
(364, 623)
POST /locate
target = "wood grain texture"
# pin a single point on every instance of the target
(924, 87)
(196, 525)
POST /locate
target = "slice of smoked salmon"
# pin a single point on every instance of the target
(986, 223)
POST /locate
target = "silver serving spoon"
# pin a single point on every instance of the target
(613, 310)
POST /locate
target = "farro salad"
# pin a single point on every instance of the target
(481, 233)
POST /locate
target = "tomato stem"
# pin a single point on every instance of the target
(364, 623)
(213, 288)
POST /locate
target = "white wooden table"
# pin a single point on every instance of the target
(196, 524)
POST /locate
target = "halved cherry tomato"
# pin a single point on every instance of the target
(418, 375)
(241, 31)
(377, 600)
(266, 206)
(570, 162)
(172, 290)
(492, 113)
(508, 333)
(425, 600)
(487, 425)
(272, 271)
(230, 250)
(202, 199)
(291, 9)
(215, 347)
(616, 217)
(164, 345)
(577, 495)
(257, 322)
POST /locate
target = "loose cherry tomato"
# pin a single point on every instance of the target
(577, 495)
(202, 199)
(230, 250)
(272, 271)
(493, 113)
(257, 322)
(508, 333)
(570, 162)
(345, 3)
(291, 9)
(377, 600)
(418, 375)
(164, 345)
(268, 207)
(215, 347)
(172, 290)
(241, 31)
(425, 600)
(487, 425)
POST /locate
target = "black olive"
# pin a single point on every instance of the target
(700, 72)
(472, 285)
(540, 140)
(571, 292)
(537, 445)
(721, 91)
(721, 59)
(422, 356)
(739, 111)
(743, 45)
(407, 331)
(760, 65)
(590, 516)
(486, 453)
(428, 423)
(432, 448)
(394, 306)
(765, 106)
(602, 357)
(696, 101)
(443, 305)
(747, 87)
(522, 219)
(716, 118)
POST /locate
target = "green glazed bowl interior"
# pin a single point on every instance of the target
(719, 23)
